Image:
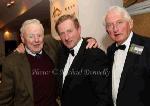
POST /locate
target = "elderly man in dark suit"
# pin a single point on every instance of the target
(130, 57)
(27, 78)
(84, 72)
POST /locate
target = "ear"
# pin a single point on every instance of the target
(107, 31)
(79, 29)
(131, 24)
(22, 38)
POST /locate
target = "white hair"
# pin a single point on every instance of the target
(120, 10)
(31, 21)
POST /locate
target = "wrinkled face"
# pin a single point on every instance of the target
(33, 38)
(69, 34)
(118, 27)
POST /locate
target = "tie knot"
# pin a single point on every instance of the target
(38, 55)
(71, 52)
(121, 47)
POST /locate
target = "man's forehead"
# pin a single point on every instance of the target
(114, 17)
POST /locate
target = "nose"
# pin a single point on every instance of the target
(66, 36)
(115, 28)
(36, 39)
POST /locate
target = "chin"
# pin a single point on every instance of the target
(69, 47)
(37, 50)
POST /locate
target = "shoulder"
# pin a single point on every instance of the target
(141, 38)
(49, 40)
(13, 55)
(95, 59)
(51, 43)
(110, 48)
(95, 51)
(91, 52)
(95, 54)
(13, 58)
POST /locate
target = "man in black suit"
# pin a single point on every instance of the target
(130, 57)
(83, 73)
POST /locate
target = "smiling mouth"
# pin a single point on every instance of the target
(37, 45)
(117, 34)
(68, 42)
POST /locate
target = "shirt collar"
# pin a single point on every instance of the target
(127, 42)
(77, 47)
(32, 54)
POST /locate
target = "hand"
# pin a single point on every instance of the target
(92, 43)
(20, 48)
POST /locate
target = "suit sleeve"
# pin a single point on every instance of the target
(50, 41)
(7, 85)
(99, 74)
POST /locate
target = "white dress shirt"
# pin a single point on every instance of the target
(118, 64)
(70, 59)
(32, 54)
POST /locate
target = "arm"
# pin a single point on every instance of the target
(92, 43)
(7, 85)
(20, 48)
(48, 40)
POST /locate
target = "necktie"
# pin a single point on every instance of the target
(71, 52)
(38, 55)
(121, 47)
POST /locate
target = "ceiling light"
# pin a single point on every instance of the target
(10, 3)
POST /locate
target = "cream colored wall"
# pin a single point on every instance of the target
(91, 14)
(58, 8)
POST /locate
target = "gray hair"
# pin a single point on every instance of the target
(31, 21)
(121, 10)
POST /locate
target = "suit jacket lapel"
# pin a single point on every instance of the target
(110, 53)
(64, 57)
(61, 64)
(131, 60)
(76, 64)
(79, 57)
(77, 60)
(26, 72)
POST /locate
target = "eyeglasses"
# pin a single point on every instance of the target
(35, 35)
(117, 24)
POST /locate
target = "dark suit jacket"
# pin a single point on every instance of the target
(16, 88)
(86, 81)
(134, 87)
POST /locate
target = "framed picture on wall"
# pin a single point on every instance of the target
(127, 3)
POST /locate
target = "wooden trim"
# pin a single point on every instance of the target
(139, 8)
